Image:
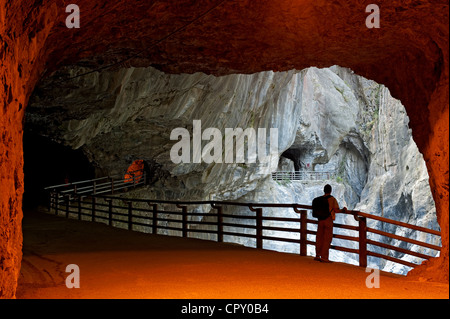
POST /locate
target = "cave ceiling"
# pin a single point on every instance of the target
(224, 37)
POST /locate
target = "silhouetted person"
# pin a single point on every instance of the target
(325, 228)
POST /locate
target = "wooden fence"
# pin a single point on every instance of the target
(154, 218)
(102, 185)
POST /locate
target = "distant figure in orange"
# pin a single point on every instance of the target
(325, 209)
(134, 172)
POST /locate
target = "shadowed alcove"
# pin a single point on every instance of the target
(48, 163)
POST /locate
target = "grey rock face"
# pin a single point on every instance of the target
(129, 114)
(327, 120)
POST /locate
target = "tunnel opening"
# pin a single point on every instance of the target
(48, 163)
(349, 161)
(340, 117)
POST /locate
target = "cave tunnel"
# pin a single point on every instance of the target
(408, 54)
(48, 163)
(294, 156)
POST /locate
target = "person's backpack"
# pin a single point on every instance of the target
(320, 207)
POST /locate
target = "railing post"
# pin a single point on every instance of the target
(93, 209)
(362, 230)
(56, 198)
(112, 185)
(184, 220)
(303, 233)
(50, 196)
(79, 207)
(303, 230)
(130, 215)
(219, 223)
(259, 222)
(67, 205)
(109, 211)
(259, 226)
(155, 219)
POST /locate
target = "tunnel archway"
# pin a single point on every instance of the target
(48, 163)
(409, 54)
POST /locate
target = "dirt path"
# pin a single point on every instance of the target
(116, 263)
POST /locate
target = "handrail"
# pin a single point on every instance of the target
(119, 178)
(302, 175)
(107, 185)
(90, 206)
(398, 223)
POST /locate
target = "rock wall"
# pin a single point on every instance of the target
(135, 122)
(379, 168)
(21, 45)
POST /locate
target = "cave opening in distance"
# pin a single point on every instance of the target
(334, 121)
(144, 134)
(48, 163)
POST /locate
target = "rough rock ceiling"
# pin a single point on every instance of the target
(224, 36)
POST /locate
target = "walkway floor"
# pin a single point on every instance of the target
(116, 263)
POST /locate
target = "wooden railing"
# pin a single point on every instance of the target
(101, 185)
(302, 175)
(154, 216)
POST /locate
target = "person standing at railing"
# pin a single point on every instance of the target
(325, 209)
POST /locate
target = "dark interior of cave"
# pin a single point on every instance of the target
(48, 163)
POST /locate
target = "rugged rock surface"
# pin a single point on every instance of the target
(327, 120)
(379, 168)
(148, 104)
(409, 54)
(135, 121)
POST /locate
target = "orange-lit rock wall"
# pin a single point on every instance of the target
(409, 54)
(23, 31)
(435, 150)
